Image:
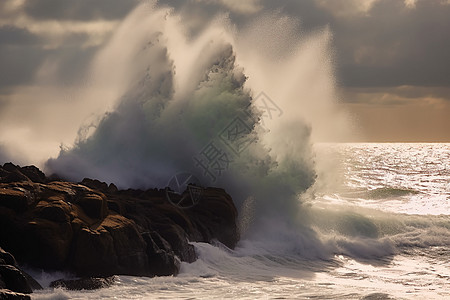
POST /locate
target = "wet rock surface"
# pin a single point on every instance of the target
(14, 282)
(91, 283)
(95, 230)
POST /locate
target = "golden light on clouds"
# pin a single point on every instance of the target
(347, 7)
(238, 6)
(401, 114)
(56, 31)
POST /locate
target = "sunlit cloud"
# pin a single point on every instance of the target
(344, 8)
(238, 6)
(410, 3)
(403, 114)
(400, 95)
(56, 31)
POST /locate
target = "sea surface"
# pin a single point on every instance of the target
(376, 225)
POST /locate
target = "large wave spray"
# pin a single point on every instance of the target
(237, 109)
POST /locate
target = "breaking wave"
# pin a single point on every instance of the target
(210, 105)
(227, 108)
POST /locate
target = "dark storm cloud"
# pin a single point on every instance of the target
(18, 64)
(3, 99)
(22, 54)
(74, 63)
(79, 10)
(390, 44)
(12, 35)
(395, 45)
(19, 55)
(311, 15)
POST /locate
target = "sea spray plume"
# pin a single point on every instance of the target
(71, 102)
(184, 95)
(138, 145)
(296, 69)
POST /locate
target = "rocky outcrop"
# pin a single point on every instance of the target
(91, 283)
(14, 283)
(95, 230)
(9, 295)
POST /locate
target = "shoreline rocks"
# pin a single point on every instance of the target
(91, 283)
(95, 230)
(14, 282)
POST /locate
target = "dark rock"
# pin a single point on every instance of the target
(95, 184)
(217, 215)
(178, 239)
(31, 281)
(47, 243)
(162, 260)
(94, 253)
(90, 283)
(96, 230)
(11, 173)
(9, 279)
(160, 242)
(94, 205)
(112, 189)
(54, 212)
(128, 245)
(114, 247)
(61, 190)
(14, 199)
(115, 206)
(14, 280)
(10, 167)
(34, 174)
(377, 296)
(9, 295)
(9, 177)
(7, 258)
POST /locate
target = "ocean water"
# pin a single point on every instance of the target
(375, 225)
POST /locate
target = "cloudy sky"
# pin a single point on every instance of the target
(392, 57)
